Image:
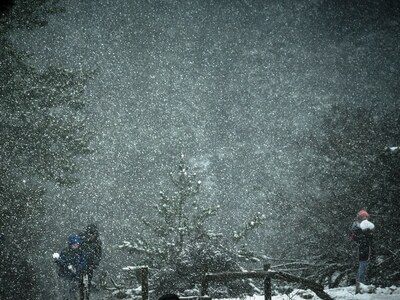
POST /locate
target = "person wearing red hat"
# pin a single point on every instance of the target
(362, 235)
(363, 214)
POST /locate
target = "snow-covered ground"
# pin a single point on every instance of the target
(344, 293)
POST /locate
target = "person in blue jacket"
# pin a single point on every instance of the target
(72, 263)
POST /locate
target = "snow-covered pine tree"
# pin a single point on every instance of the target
(181, 245)
(43, 130)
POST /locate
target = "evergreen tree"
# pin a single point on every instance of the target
(42, 132)
(353, 172)
(384, 207)
(180, 245)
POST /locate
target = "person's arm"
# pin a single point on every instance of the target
(100, 251)
(371, 244)
(67, 269)
(62, 260)
(83, 264)
(97, 254)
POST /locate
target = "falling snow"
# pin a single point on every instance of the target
(246, 90)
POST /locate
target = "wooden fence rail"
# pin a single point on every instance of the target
(267, 275)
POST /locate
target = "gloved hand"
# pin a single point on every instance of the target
(72, 268)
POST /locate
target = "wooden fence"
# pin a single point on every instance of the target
(142, 275)
(267, 275)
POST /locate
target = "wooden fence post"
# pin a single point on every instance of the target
(204, 283)
(144, 272)
(267, 284)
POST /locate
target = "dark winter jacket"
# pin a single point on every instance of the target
(93, 249)
(72, 263)
(364, 239)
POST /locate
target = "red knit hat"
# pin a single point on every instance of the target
(363, 213)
